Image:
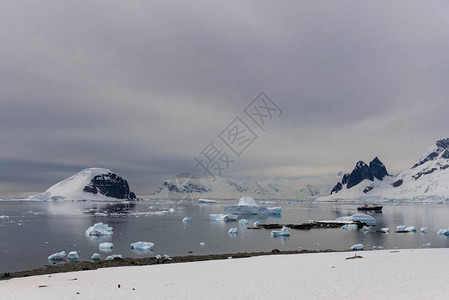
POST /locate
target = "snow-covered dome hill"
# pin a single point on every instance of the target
(96, 184)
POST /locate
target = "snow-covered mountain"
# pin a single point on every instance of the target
(426, 181)
(94, 184)
(304, 188)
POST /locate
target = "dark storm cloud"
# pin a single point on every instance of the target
(142, 87)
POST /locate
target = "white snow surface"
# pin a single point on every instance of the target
(407, 274)
(72, 188)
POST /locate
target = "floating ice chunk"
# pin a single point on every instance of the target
(142, 246)
(215, 217)
(223, 217)
(316, 244)
(257, 223)
(158, 256)
(247, 206)
(4, 217)
(171, 210)
(285, 231)
(427, 245)
(243, 221)
(106, 246)
(57, 256)
(443, 232)
(233, 230)
(368, 220)
(357, 247)
(167, 257)
(310, 221)
(100, 214)
(115, 256)
(424, 229)
(247, 201)
(385, 230)
(365, 228)
(99, 229)
(187, 219)
(229, 257)
(404, 228)
(349, 227)
(202, 244)
(207, 201)
(95, 256)
(73, 255)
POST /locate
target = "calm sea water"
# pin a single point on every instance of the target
(34, 230)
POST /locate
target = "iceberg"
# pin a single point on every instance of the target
(142, 246)
(115, 256)
(365, 228)
(257, 223)
(357, 247)
(202, 244)
(404, 228)
(243, 221)
(106, 246)
(223, 217)
(247, 206)
(158, 256)
(99, 229)
(207, 201)
(4, 217)
(187, 219)
(57, 256)
(233, 230)
(95, 256)
(385, 230)
(443, 232)
(100, 214)
(349, 227)
(73, 255)
(368, 220)
(285, 231)
(424, 229)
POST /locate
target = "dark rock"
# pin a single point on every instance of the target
(361, 172)
(337, 188)
(110, 185)
(397, 183)
(378, 168)
(345, 178)
(442, 147)
(445, 154)
(368, 188)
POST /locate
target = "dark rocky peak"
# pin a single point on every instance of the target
(361, 172)
(378, 168)
(110, 185)
(441, 146)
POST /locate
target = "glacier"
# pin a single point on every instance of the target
(247, 206)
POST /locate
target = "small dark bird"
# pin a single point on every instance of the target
(118, 285)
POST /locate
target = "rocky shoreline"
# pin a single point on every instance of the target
(124, 262)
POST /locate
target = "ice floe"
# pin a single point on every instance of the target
(257, 223)
(187, 219)
(243, 221)
(357, 247)
(223, 217)
(95, 256)
(57, 256)
(99, 229)
(100, 214)
(115, 256)
(106, 246)
(443, 232)
(207, 201)
(424, 229)
(385, 230)
(404, 228)
(202, 244)
(142, 246)
(349, 227)
(73, 255)
(285, 231)
(233, 230)
(4, 217)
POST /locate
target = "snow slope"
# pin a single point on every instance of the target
(426, 181)
(303, 188)
(382, 274)
(72, 187)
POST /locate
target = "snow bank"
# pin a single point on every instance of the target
(99, 229)
(321, 276)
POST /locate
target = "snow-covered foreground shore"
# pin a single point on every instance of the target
(401, 274)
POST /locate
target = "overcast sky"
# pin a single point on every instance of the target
(142, 87)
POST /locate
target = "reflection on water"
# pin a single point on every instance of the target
(49, 227)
